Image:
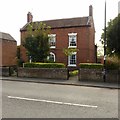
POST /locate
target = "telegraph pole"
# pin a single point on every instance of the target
(105, 44)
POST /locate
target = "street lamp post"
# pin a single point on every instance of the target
(104, 71)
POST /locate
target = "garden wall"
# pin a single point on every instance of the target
(113, 75)
(4, 71)
(90, 74)
(48, 73)
(97, 75)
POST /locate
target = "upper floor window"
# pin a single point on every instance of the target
(72, 40)
(52, 40)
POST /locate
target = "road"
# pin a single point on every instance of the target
(36, 100)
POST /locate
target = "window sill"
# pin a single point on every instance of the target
(52, 47)
(72, 65)
(72, 47)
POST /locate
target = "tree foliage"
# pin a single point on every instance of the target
(113, 36)
(70, 51)
(37, 42)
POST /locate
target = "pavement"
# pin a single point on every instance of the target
(72, 81)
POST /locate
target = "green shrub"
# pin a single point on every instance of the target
(44, 65)
(73, 73)
(112, 63)
(91, 65)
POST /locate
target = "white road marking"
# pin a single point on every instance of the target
(54, 102)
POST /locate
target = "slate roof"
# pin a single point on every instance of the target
(64, 23)
(6, 36)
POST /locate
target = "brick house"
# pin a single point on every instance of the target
(76, 33)
(8, 46)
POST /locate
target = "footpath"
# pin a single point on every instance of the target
(72, 81)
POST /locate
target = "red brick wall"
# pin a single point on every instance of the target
(9, 49)
(93, 53)
(85, 44)
(23, 54)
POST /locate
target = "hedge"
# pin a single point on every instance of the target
(44, 65)
(91, 65)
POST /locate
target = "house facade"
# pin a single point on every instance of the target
(76, 33)
(8, 46)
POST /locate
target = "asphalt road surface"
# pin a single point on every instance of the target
(36, 100)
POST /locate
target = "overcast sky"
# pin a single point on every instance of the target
(13, 13)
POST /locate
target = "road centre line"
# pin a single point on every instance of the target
(54, 102)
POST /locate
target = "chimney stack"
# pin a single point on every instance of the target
(90, 10)
(29, 17)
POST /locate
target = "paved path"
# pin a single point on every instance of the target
(72, 81)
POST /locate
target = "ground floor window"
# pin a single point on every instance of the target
(72, 60)
(51, 57)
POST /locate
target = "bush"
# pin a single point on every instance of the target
(73, 73)
(91, 65)
(44, 65)
(112, 63)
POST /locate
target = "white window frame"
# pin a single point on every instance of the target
(69, 59)
(72, 35)
(54, 39)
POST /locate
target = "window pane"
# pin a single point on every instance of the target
(51, 58)
(73, 59)
(52, 41)
(72, 40)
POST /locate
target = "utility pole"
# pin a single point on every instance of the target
(105, 44)
(119, 7)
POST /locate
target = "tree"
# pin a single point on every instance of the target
(70, 51)
(113, 36)
(37, 42)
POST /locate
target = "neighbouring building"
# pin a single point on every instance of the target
(8, 46)
(76, 33)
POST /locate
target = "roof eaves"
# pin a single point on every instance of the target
(24, 27)
(89, 21)
(71, 26)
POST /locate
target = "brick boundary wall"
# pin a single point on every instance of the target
(90, 74)
(113, 76)
(97, 75)
(4, 71)
(45, 73)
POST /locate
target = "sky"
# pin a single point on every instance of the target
(13, 13)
